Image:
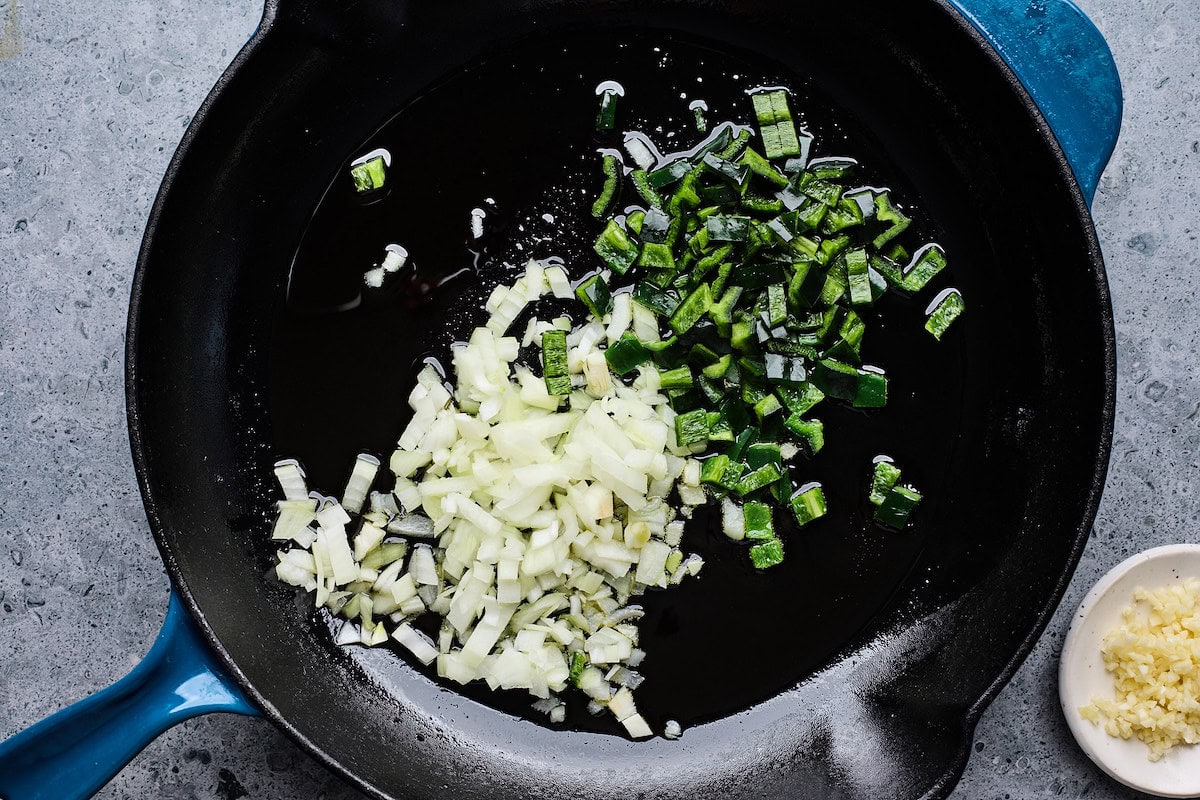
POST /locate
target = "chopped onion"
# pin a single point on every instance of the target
(672, 729)
(637, 727)
(417, 643)
(560, 285)
(421, 565)
(733, 523)
(291, 479)
(414, 525)
(395, 258)
(541, 520)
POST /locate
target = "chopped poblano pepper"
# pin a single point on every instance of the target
(945, 308)
(616, 248)
(691, 428)
(888, 213)
(665, 176)
(808, 503)
(758, 521)
(370, 175)
(626, 354)
(799, 399)
(713, 470)
(896, 507)
(606, 119)
(611, 168)
(595, 295)
(884, 477)
(554, 362)
(661, 301)
(857, 277)
(678, 378)
(767, 554)
(718, 368)
(930, 260)
(691, 309)
(761, 453)
(762, 168)
(728, 229)
(656, 256)
(775, 124)
(757, 479)
(761, 265)
(735, 145)
(730, 172)
(862, 388)
(810, 432)
(575, 671)
(641, 182)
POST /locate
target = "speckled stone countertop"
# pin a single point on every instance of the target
(93, 100)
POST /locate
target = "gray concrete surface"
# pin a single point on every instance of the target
(93, 100)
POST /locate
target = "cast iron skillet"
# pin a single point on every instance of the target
(886, 706)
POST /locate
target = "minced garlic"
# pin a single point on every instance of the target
(1154, 658)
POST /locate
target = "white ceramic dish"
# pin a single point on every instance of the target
(1081, 673)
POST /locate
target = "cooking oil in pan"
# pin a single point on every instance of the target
(515, 180)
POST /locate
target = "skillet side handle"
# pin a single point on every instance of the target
(73, 753)
(1066, 65)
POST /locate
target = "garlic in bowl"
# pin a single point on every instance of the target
(1151, 642)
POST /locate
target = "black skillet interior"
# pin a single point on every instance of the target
(855, 671)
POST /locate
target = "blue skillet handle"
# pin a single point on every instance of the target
(73, 753)
(1066, 66)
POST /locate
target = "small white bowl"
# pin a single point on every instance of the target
(1081, 674)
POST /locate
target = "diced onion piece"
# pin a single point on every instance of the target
(692, 495)
(368, 538)
(622, 317)
(622, 705)
(560, 284)
(653, 563)
(361, 477)
(405, 462)
(348, 634)
(421, 565)
(414, 525)
(341, 557)
(672, 730)
(417, 643)
(733, 522)
(637, 727)
(291, 479)
(294, 518)
(395, 259)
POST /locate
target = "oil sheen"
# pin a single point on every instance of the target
(511, 142)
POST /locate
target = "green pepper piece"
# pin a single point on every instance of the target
(946, 308)
(758, 521)
(809, 432)
(554, 362)
(616, 248)
(691, 427)
(757, 479)
(611, 168)
(897, 506)
(693, 307)
(808, 503)
(370, 175)
(626, 354)
(767, 554)
(595, 295)
(884, 477)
